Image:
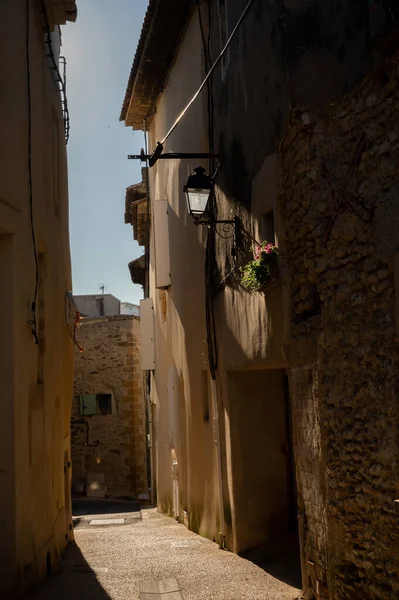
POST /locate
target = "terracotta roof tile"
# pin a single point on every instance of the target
(162, 30)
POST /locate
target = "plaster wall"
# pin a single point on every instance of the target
(127, 308)
(249, 328)
(182, 433)
(7, 440)
(96, 305)
(260, 457)
(36, 380)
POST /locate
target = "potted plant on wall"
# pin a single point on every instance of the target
(260, 272)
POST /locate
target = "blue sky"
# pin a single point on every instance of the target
(99, 49)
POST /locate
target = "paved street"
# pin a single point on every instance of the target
(122, 553)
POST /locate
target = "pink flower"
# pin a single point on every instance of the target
(263, 248)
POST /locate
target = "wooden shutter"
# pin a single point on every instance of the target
(88, 404)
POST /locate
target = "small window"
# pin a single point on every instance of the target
(267, 227)
(96, 404)
(103, 404)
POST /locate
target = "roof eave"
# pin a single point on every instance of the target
(59, 12)
(163, 27)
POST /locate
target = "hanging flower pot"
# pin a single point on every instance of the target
(260, 272)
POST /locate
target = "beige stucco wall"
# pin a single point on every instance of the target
(36, 381)
(110, 364)
(249, 328)
(180, 330)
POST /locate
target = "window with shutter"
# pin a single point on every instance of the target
(96, 404)
(88, 404)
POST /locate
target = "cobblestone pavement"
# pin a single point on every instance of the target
(143, 555)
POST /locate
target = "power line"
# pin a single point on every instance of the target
(210, 256)
(33, 321)
(215, 64)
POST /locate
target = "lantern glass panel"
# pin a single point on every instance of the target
(197, 200)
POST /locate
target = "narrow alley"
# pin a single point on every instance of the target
(199, 300)
(124, 553)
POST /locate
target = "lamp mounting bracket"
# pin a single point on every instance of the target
(157, 155)
(212, 223)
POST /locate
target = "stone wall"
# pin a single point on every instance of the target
(310, 465)
(110, 363)
(339, 200)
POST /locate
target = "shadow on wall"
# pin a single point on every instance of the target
(282, 563)
(76, 580)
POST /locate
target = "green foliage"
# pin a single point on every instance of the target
(258, 272)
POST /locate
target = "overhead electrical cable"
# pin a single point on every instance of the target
(33, 321)
(209, 74)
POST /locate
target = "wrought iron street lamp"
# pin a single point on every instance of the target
(199, 186)
(198, 189)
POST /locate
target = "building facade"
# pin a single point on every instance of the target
(36, 350)
(108, 425)
(127, 308)
(275, 411)
(97, 305)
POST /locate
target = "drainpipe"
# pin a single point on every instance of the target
(216, 428)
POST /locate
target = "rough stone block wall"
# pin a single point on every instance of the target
(110, 363)
(339, 200)
(309, 461)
